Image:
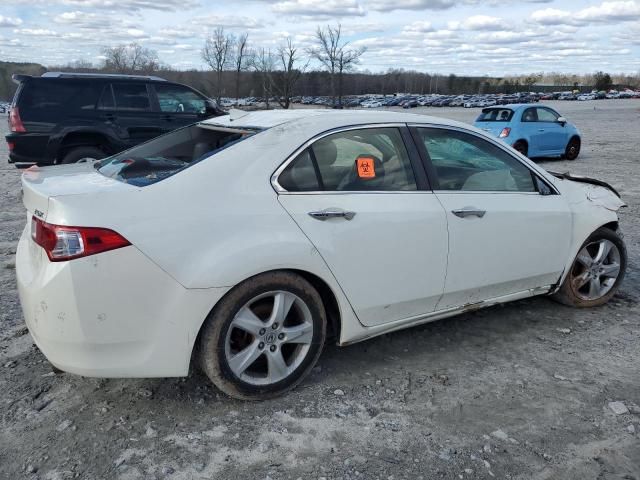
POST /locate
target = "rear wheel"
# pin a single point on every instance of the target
(597, 271)
(264, 336)
(80, 153)
(573, 149)
(522, 147)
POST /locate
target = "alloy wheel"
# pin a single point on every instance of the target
(269, 338)
(595, 270)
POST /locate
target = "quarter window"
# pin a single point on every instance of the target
(131, 96)
(465, 162)
(371, 159)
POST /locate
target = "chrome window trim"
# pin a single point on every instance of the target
(282, 191)
(496, 143)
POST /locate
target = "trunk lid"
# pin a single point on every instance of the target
(39, 184)
(494, 128)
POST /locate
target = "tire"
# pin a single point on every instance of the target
(522, 147)
(576, 288)
(262, 344)
(75, 154)
(572, 150)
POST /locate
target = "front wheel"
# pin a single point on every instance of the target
(596, 272)
(264, 336)
(573, 149)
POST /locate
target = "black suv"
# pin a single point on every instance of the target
(65, 117)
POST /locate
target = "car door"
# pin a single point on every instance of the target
(360, 197)
(509, 230)
(126, 109)
(178, 105)
(554, 134)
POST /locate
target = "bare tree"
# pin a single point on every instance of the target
(285, 78)
(263, 63)
(241, 59)
(334, 55)
(132, 58)
(217, 54)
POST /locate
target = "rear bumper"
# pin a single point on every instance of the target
(114, 314)
(30, 148)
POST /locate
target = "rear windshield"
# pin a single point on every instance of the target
(165, 156)
(495, 115)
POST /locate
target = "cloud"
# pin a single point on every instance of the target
(228, 21)
(483, 22)
(389, 5)
(323, 8)
(113, 5)
(606, 12)
(35, 32)
(9, 21)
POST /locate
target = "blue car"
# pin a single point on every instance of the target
(533, 130)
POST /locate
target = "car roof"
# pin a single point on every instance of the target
(313, 119)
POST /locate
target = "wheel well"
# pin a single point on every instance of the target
(328, 300)
(576, 136)
(522, 140)
(611, 226)
(83, 139)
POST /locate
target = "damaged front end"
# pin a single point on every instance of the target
(596, 191)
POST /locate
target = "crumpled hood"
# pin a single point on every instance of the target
(580, 191)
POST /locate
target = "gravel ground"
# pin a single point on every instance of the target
(520, 391)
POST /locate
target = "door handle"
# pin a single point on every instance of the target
(468, 212)
(541, 129)
(168, 118)
(109, 117)
(332, 213)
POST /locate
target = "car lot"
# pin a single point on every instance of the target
(520, 391)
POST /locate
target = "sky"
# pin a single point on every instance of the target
(464, 37)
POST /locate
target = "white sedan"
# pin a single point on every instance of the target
(241, 242)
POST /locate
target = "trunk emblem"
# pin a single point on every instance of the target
(38, 213)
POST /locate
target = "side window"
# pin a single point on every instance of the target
(177, 99)
(465, 162)
(545, 115)
(131, 96)
(530, 115)
(371, 159)
(106, 101)
(300, 175)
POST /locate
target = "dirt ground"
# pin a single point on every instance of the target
(520, 391)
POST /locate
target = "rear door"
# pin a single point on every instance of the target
(360, 197)
(126, 109)
(509, 231)
(178, 105)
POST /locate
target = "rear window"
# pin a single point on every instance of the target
(41, 94)
(495, 115)
(167, 155)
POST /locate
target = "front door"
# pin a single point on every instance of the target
(132, 116)
(179, 106)
(509, 232)
(355, 196)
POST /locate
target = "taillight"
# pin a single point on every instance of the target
(11, 145)
(15, 123)
(66, 243)
(505, 132)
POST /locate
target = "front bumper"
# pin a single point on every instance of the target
(114, 314)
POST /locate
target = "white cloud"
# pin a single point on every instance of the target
(324, 8)
(36, 32)
(606, 12)
(9, 21)
(389, 5)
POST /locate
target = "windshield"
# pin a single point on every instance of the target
(495, 115)
(165, 156)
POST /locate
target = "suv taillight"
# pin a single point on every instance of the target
(66, 243)
(15, 123)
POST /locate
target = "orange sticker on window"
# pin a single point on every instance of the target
(366, 168)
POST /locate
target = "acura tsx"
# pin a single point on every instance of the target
(241, 243)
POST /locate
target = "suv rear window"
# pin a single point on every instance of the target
(495, 115)
(165, 156)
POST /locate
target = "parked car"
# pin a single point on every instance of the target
(586, 96)
(535, 131)
(65, 117)
(224, 242)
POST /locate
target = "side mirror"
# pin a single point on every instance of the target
(561, 121)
